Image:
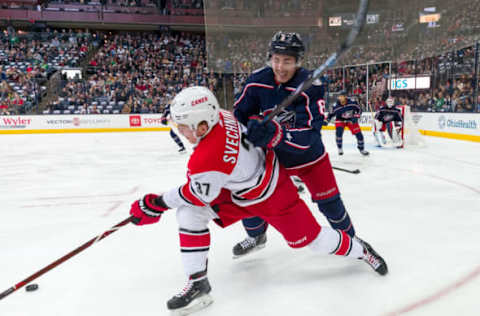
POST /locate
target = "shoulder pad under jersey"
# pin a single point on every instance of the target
(258, 70)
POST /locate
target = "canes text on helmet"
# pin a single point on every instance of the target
(194, 105)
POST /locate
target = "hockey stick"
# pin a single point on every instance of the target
(354, 171)
(65, 258)
(344, 47)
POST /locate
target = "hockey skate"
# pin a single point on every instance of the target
(372, 258)
(249, 245)
(182, 150)
(194, 296)
(364, 152)
(340, 151)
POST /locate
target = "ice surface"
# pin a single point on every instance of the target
(419, 207)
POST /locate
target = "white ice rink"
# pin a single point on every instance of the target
(420, 208)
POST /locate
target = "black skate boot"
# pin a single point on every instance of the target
(248, 245)
(182, 150)
(364, 152)
(194, 296)
(340, 151)
(373, 258)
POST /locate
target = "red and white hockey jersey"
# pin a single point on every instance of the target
(224, 159)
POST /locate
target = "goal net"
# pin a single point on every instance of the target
(410, 133)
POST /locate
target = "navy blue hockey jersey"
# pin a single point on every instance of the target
(350, 112)
(166, 111)
(302, 119)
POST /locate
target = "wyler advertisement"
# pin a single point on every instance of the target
(80, 123)
(14, 122)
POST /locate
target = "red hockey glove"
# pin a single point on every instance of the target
(269, 134)
(148, 210)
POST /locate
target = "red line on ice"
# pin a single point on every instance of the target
(469, 277)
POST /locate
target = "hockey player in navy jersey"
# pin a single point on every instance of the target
(173, 135)
(347, 112)
(388, 118)
(294, 134)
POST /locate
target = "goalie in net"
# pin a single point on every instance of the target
(397, 123)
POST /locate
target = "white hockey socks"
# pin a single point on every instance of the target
(194, 246)
(336, 242)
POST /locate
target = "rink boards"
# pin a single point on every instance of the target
(464, 126)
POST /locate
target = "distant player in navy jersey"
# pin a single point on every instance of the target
(294, 134)
(173, 135)
(388, 118)
(347, 112)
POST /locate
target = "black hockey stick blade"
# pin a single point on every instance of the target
(354, 171)
(344, 47)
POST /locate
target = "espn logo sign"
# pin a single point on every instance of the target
(135, 121)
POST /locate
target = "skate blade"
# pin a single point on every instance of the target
(250, 252)
(196, 305)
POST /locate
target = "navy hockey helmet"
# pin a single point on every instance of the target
(287, 43)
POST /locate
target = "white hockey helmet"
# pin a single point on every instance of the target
(390, 101)
(194, 105)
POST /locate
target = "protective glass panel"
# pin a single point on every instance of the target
(420, 51)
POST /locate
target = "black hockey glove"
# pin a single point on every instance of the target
(268, 134)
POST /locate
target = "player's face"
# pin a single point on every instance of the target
(284, 67)
(189, 134)
(193, 136)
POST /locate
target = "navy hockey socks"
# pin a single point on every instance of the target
(255, 226)
(176, 139)
(339, 136)
(360, 142)
(337, 215)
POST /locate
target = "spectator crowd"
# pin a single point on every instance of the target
(27, 61)
(136, 73)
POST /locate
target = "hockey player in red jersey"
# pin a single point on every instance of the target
(388, 118)
(229, 179)
(347, 112)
